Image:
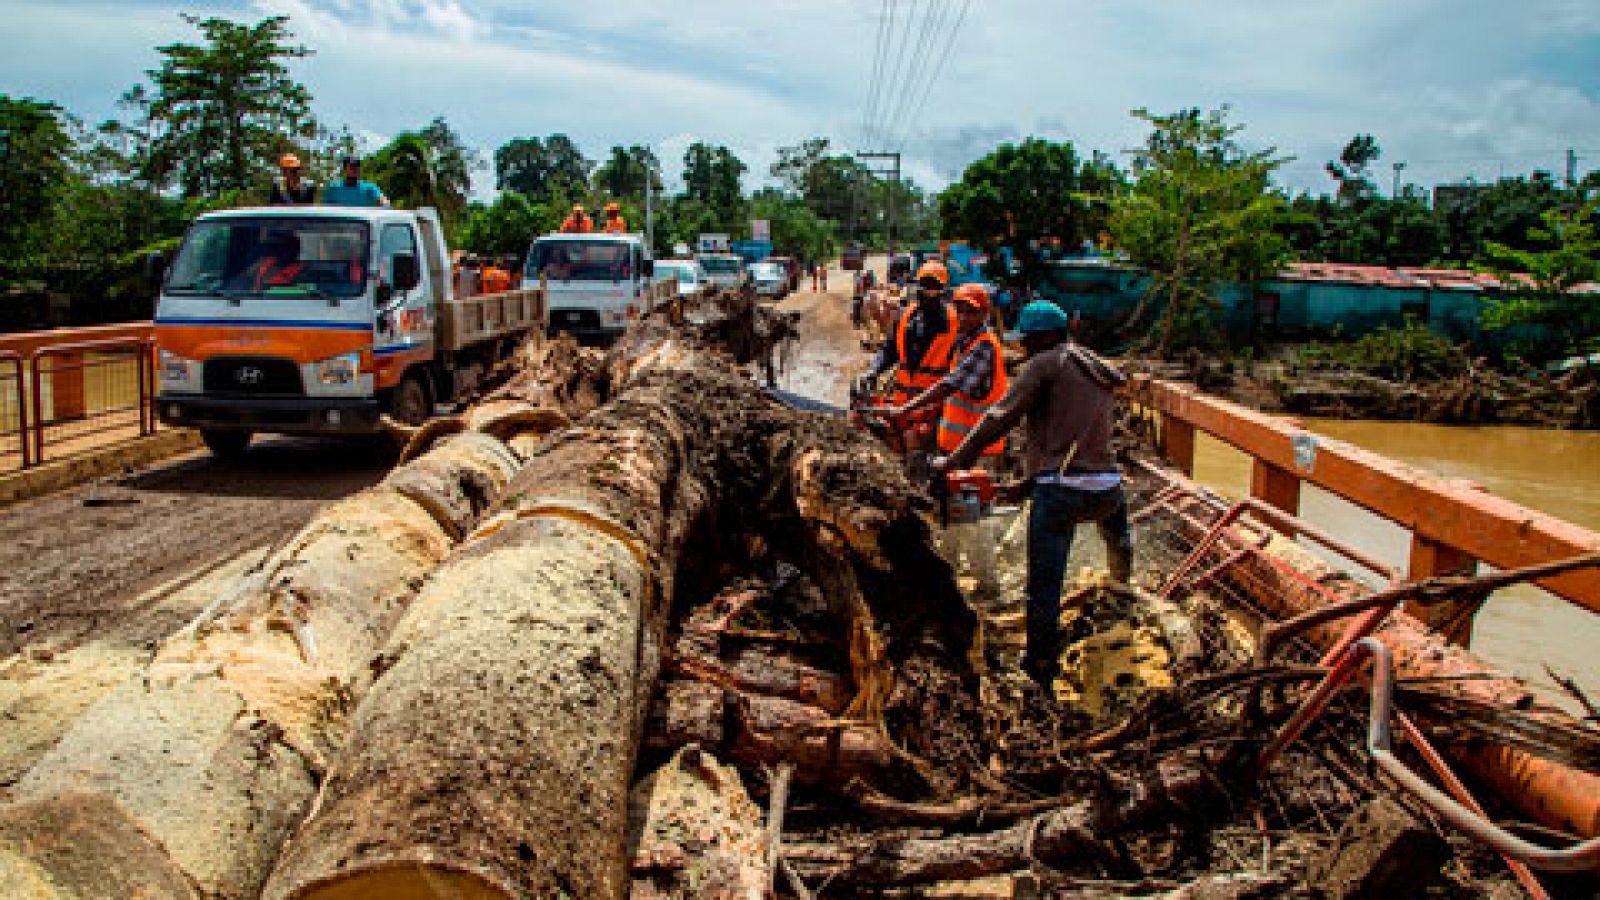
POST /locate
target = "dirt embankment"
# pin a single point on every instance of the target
(80, 563)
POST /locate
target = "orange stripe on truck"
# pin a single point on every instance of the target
(303, 345)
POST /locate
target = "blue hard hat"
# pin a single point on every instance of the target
(1040, 316)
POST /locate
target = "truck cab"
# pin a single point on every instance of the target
(318, 320)
(596, 283)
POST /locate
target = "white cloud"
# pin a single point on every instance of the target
(1455, 87)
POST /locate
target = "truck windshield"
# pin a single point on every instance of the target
(722, 265)
(276, 256)
(581, 260)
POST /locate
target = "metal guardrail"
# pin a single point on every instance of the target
(62, 399)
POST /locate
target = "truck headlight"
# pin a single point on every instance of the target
(339, 370)
(173, 367)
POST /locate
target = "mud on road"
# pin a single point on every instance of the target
(81, 563)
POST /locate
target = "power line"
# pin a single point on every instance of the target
(899, 65)
(885, 18)
(919, 58)
(938, 70)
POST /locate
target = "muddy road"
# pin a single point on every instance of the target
(120, 558)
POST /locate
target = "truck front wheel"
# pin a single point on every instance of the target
(411, 403)
(226, 444)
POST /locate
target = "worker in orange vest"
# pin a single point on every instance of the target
(923, 342)
(976, 382)
(577, 223)
(495, 278)
(615, 224)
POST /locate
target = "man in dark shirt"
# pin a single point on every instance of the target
(1066, 395)
(923, 343)
(291, 188)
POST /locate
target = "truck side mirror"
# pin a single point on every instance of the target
(407, 273)
(649, 268)
(155, 269)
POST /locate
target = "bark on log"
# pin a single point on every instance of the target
(496, 749)
(694, 832)
(213, 752)
(757, 729)
(759, 670)
(498, 745)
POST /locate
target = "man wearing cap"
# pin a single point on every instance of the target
(351, 190)
(923, 342)
(976, 382)
(615, 223)
(578, 222)
(1065, 396)
(291, 188)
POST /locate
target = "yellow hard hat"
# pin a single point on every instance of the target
(288, 161)
(934, 269)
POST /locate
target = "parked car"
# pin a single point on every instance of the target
(725, 270)
(769, 279)
(691, 278)
(791, 269)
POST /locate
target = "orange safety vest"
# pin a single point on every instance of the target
(912, 378)
(577, 225)
(496, 280)
(962, 413)
(616, 226)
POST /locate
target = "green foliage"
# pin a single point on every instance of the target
(711, 178)
(1350, 169)
(1400, 354)
(796, 230)
(430, 167)
(1027, 195)
(1539, 285)
(542, 170)
(36, 156)
(1200, 215)
(217, 114)
(623, 175)
(508, 225)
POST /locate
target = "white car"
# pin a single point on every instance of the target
(770, 280)
(691, 278)
(725, 270)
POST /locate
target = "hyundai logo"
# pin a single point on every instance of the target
(248, 375)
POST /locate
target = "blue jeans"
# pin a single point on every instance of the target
(1055, 514)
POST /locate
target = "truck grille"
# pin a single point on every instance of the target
(256, 376)
(575, 319)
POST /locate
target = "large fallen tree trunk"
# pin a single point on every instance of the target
(493, 755)
(213, 753)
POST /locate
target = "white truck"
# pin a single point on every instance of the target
(596, 283)
(319, 320)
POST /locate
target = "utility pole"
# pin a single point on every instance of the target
(1395, 194)
(1572, 167)
(893, 173)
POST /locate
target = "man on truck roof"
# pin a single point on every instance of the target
(352, 190)
(291, 188)
(578, 222)
(615, 224)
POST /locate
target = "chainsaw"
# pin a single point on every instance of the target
(964, 495)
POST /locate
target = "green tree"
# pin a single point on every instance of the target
(1350, 169)
(711, 177)
(794, 163)
(1027, 195)
(431, 167)
(36, 157)
(625, 172)
(508, 225)
(217, 114)
(1201, 214)
(543, 170)
(1539, 285)
(796, 230)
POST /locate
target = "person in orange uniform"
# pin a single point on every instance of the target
(496, 279)
(577, 223)
(923, 342)
(615, 223)
(976, 382)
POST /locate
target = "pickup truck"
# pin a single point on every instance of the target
(596, 283)
(320, 320)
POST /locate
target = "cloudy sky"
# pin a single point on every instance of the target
(1452, 88)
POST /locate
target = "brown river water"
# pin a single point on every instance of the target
(1557, 472)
